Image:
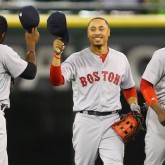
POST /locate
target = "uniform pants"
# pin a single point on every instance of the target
(3, 140)
(93, 135)
(154, 140)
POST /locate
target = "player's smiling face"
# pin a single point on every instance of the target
(98, 32)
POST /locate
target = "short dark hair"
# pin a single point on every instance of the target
(101, 19)
(3, 24)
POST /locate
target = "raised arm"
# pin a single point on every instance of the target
(56, 77)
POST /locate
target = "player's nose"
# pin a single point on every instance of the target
(97, 31)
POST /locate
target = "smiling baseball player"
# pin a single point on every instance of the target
(97, 74)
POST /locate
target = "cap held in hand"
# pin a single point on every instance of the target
(57, 26)
(29, 17)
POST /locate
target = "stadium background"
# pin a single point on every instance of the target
(39, 122)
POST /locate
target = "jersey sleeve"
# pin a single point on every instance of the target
(56, 77)
(12, 62)
(155, 68)
(69, 69)
(127, 80)
(148, 92)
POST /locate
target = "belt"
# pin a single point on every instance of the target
(97, 113)
(2, 107)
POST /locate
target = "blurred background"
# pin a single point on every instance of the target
(39, 122)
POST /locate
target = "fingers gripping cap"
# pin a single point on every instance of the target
(29, 17)
(57, 26)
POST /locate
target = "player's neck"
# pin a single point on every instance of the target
(99, 50)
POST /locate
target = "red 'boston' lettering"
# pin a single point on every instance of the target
(90, 78)
(97, 78)
(104, 75)
(107, 76)
(111, 76)
(117, 78)
(83, 81)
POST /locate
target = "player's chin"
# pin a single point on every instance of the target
(97, 44)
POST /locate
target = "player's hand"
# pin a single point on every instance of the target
(135, 107)
(58, 46)
(160, 111)
(32, 37)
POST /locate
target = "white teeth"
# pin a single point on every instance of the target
(97, 39)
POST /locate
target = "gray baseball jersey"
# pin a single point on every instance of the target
(155, 73)
(155, 136)
(10, 63)
(96, 85)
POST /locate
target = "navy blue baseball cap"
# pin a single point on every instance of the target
(3, 24)
(57, 26)
(29, 17)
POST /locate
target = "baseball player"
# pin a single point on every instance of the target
(153, 89)
(12, 66)
(98, 73)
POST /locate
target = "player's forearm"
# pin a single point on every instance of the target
(31, 41)
(132, 100)
(130, 95)
(31, 57)
(31, 45)
(156, 107)
(151, 99)
(148, 92)
(56, 77)
(56, 60)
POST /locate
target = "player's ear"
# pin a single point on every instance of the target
(2, 37)
(87, 33)
(109, 32)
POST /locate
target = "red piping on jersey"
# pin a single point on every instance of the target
(148, 92)
(103, 57)
(131, 92)
(56, 77)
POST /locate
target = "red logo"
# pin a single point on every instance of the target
(107, 76)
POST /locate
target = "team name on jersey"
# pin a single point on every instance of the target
(107, 76)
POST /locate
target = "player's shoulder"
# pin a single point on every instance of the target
(82, 52)
(5, 49)
(73, 58)
(79, 54)
(160, 53)
(117, 53)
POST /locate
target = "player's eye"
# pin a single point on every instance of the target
(101, 29)
(92, 29)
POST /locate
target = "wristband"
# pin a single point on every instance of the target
(57, 56)
(31, 51)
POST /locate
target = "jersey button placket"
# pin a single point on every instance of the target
(99, 69)
(102, 88)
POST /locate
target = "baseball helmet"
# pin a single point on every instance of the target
(57, 26)
(29, 17)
